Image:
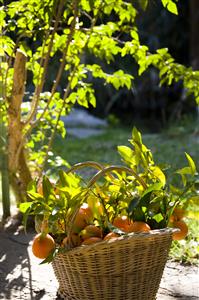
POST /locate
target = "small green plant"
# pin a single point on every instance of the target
(186, 251)
(138, 190)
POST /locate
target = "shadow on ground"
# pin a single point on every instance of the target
(14, 259)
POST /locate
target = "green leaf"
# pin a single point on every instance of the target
(68, 180)
(143, 4)
(157, 172)
(2, 17)
(47, 187)
(154, 187)
(26, 208)
(23, 207)
(172, 7)
(133, 204)
(50, 257)
(35, 196)
(184, 171)
(158, 217)
(32, 186)
(138, 214)
(126, 153)
(191, 164)
(136, 136)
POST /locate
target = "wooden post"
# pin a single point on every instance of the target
(4, 173)
(4, 158)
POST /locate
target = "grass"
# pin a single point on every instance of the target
(187, 250)
(168, 147)
(165, 147)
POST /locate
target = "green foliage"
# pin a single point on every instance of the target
(171, 6)
(64, 32)
(139, 189)
(153, 201)
(56, 204)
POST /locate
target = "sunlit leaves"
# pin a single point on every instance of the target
(6, 45)
(158, 173)
(117, 79)
(86, 5)
(103, 47)
(37, 70)
(106, 29)
(30, 14)
(171, 6)
(127, 154)
(127, 13)
(191, 164)
(2, 17)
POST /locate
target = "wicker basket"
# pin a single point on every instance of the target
(127, 268)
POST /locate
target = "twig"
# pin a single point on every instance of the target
(55, 127)
(58, 77)
(39, 87)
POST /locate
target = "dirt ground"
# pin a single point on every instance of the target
(22, 278)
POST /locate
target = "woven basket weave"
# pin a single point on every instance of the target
(126, 268)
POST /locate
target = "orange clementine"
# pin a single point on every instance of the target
(111, 235)
(91, 240)
(139, 226)
(42, 245)
(178, 214)
(80, 222)
(172, 219)
(89, 231)
(74, 241)
(183, 230)
(87, 211)
(122, 222)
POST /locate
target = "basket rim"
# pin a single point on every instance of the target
(129, 236)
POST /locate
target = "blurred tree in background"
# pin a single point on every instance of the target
(147, 102)
(193, 33)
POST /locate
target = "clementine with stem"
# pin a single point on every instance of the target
(42, 245)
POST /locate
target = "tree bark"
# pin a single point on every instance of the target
(194, 36)
(19, 172)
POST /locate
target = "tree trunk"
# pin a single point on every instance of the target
(194, 36)
(19, 172)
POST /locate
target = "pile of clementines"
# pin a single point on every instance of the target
(84, 231)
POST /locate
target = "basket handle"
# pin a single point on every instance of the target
(81, 165)
(103, 170)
